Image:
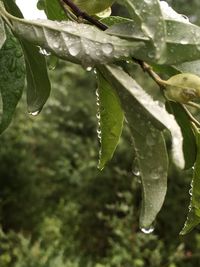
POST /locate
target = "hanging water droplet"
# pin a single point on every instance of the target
(89, 68)
(34, 113)
(190, 192)
(44, 52)
(107, 49)
(147, 230)
(184, 41)
(98, 115)
(136, 172)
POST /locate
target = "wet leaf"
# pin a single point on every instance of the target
(2, 33)
(54, 10)
(38, 84)
(111, 119)
(148, 141)
(152, 111)
(192, 67)
(182, 40)
(153, 27)
(193, 218)
(79, 43)
(189, 142)
(12, 73)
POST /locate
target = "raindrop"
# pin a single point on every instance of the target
(190, 192)
(34, 113)
(44, 52)
(98, 115)
(89, 68)
(147, 230)
(184, 41)
(107, 48)
(74, 50)
(56, 45)
(136, 172)
(151, 54)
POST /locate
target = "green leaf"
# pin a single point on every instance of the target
(2, 33)
(38, 84)
(12, 73)
(189, 142)
(79, 43)
(111, 119)
(182, 41)
(193, 218)
(192, 67)
(112, 20)
(54, 11)
(151, 110)
(148, 141)
(152, 26)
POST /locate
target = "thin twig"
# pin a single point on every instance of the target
(196, 122)
(147, 68)
(193, 104)
(79, 13)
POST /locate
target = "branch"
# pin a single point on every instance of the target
(79, 13)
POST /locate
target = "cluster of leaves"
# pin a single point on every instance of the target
(166, 41)
(45, 220)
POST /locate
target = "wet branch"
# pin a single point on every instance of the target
(81, 14)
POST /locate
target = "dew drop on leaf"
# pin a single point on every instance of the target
(147, 230)
(35, 113)
(107, 49)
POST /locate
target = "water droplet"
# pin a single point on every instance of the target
(147, 230)
(136, 172)
(89, 68)
(184, 41)
(74, 50)
(34, 113)
(190, 192)
(151, 54)
(44, 52)
(107, 49)
(56, 45)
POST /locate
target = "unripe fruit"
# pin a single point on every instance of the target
(183, 87)
(93, 6)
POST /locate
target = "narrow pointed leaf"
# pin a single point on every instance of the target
(152, 110)
(182, 41)
(149, 145)
(189, 142)
(193, 218)
(38, 84)
(111, 119)
(2, 33)
(12, 73)
(76, 42)
(152, 26)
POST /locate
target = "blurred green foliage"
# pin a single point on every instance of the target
(58, 210)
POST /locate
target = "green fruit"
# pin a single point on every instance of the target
(93, 6)
(183, 87)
